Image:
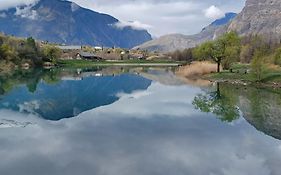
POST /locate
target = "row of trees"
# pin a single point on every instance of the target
(231, 48)
(224, 51)
(18, 51)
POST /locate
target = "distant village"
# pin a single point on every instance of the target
(97, 53)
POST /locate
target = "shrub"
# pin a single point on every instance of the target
(197, 69)
(258, 65)
(51, 53)
(277, 57)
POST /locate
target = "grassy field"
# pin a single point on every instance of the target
(243, 72)
(89, 63)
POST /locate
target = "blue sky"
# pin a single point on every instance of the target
(160, 17)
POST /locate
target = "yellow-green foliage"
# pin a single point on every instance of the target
(246, 53)
(51, 53)
(88, 49)
(7, 52)
(203, 51)
(17, 51)
(225, 50)
(258, 65)
(277, 57)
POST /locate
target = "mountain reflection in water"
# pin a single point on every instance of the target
(152, 126)
(72, 95)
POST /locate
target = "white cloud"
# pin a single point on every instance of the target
(166, 16)
(213, 12)
(134, 95)
(5, 4)
(137, 25)
(147, 103)
(26, 12)
(23, 8)
(118, 139)
(29, 107)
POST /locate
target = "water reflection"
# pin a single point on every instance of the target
(116, 139)
(152, 130)
(261, 107)
(57, 94)
(222, 103)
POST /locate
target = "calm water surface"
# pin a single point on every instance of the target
(135, 121)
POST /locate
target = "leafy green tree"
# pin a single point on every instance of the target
(224, 51)
(203, 51)
(51, 53)
(29, 51)
(258, 65)
(232, 48)
(30, 42)
(7, 53)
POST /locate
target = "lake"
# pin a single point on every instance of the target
(135, 121)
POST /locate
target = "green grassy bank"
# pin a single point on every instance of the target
(242, 72)
(89, 63)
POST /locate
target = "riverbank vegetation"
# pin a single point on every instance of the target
(20, 52)
(249, 58)
(197, 69)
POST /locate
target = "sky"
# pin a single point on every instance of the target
(162, 17)
(159, 17)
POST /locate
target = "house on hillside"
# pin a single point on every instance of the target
(138, 56)
(97, 48)
(88, 56)
(69, 52)
(76, 52)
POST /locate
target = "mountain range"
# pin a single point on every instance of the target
(172, 42)
(65, 22)
(258, 17)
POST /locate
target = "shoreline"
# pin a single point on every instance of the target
(86, 63)
(241, 74)
(275, 85)
(137, 64)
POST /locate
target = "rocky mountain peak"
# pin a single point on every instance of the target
(259, 17)
(262, 2)
(64, 22)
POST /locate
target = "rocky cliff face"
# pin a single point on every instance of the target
(261, 17)
(66, 22)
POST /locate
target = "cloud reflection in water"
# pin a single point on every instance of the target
(156, 131)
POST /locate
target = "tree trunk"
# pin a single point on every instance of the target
(219, 67)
